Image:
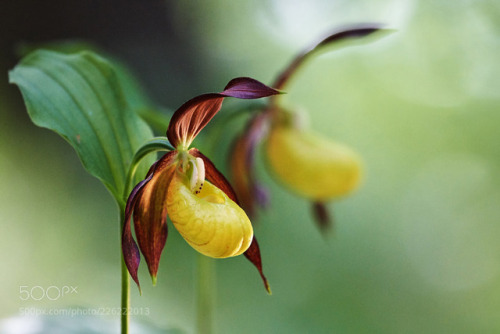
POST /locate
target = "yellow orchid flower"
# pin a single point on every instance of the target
(185, 185)
(312, 166)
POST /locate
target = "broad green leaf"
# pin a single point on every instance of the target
(80, 97)
(155, 116)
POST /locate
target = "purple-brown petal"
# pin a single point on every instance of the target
(131, 255)
(194, 115)
(248, 88)
(322, 217)
(356, 31)
(253, 255)
(150, 213)
(242, 162)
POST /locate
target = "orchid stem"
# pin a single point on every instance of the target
(125, 318)
(125, 298)
(205, 288)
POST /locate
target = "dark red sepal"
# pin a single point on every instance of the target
(253, 255)
(248, 88)
(150, 213)
(131, 255)
(194, 115)
(322, 217)
(242, 162)
(146, 203)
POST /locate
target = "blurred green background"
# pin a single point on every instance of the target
(415, 250)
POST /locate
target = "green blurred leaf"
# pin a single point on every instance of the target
(80, 97)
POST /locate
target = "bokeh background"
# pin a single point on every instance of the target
(415, 250)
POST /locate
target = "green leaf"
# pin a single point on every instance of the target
(80, 97)
(155, 116)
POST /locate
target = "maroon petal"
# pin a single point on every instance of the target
(261, 194)
(253, 255)
(248, 88)
(241, 175)
(130, 250)
(356, 31)
(194, 115)
(242, 162)
(322, 217)
(150, 213)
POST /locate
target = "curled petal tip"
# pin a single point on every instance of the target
(323, 217)
(355, 31)
(153, 279)
(268, 287)
(253, 255)
(130, 251)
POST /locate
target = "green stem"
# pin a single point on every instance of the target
(125, 298)
(205, 288)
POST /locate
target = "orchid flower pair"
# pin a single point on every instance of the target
(185, 185)
(314, 167)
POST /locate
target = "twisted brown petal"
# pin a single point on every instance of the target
(253, 255)
(131, 255)
(322, 216)
(242, 162)
(194, 115)
(135, 202)
(150, 213)
(356, 31)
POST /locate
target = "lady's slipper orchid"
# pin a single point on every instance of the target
(185, 185)
(312, 166)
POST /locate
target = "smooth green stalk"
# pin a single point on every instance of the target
(125, 298)
(205, 287)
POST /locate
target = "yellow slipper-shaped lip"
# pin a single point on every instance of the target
(209, 221)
